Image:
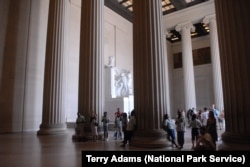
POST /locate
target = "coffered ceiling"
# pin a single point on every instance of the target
(125, 9)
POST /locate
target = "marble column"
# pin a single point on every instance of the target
(165, 53)
(53, 119)
(187, 62)
(91, 66)
(150, 101)
(234, 39)
(216, 66)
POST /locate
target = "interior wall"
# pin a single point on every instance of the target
(203, 79)
(118, 42)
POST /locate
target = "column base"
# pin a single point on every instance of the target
(76, 137)
(87, 134)
(79, 133)
(150, 139)
(234, 142)
(60, 129)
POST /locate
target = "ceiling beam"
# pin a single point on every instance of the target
(127, 14)
(179, 4)
(195, 2)
(119, 9)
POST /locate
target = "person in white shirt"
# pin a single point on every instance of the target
(168, 123)
(204, 117)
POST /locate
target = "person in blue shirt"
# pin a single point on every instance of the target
(216, 112)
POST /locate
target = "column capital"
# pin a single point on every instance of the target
(167, 33)
(209, 18)
(187, 25)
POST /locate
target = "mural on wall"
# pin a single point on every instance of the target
(123, 83)
(119, 89)
(200, 56)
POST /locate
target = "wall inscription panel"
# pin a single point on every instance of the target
(200, 56)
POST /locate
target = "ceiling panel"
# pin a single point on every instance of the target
(125, 9)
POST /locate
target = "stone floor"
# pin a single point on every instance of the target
(30, 150)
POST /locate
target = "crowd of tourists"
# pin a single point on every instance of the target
(203, 125)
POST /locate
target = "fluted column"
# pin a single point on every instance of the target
(165, 53)
(188, 68)
(53, 119)
(216, 66)
(90, 98)
(149, 73)
(234, 40)
(168, 70)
